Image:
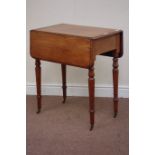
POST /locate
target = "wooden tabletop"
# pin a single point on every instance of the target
(78, 30)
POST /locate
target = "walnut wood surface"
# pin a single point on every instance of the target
(79, 31)
(62, 49)
(119, 44)
(103, 45)
(72, 44)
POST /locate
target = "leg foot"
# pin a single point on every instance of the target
(64, 100)
(91, 127)
(39, 110)
(115, 114)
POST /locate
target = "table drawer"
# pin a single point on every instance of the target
(60, 48)
(103, 45)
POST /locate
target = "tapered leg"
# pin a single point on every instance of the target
(38, 84)
(115, 85)
(63, 68)
(91, 82)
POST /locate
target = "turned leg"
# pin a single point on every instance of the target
(91, 82)
(115, 85)
(63, 68)
(38, 84)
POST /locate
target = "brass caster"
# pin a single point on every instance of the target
(115, 114)
(64, 100)
(39, 110)
(91, 127)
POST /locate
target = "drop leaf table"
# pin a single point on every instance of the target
(78, 46)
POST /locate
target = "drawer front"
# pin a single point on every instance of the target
(60, 48)
(103, 45)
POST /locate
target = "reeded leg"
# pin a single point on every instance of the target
(91, 82)
(63, 68)
(115, 85)
(38, 84)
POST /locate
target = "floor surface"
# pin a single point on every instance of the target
(63, 129)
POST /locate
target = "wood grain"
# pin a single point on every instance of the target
(62, 49)
(118, 49)
(103, 45)
(89, 32)
(73, 44)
